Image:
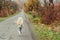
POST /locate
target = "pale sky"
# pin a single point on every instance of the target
(23, 0)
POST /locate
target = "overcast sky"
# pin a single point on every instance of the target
(23, 0)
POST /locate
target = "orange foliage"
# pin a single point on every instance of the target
(48, 14)
(52, 14)
(8, 8)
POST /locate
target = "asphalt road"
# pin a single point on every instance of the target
(9, 29)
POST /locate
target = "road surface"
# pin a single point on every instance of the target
(9, 29)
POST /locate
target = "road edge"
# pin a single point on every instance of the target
(33, 34)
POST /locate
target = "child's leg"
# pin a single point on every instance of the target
(20, 29)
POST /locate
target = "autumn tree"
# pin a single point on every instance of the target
(33, 6)
(8, 7)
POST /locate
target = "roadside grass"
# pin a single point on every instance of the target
(4, 18)
(43, 31)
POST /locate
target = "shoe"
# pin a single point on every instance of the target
(19, 32)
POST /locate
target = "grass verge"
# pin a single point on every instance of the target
(43, 31)
(4, 18)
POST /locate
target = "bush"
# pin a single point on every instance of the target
(51, 15)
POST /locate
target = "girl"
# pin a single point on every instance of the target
(20, 24)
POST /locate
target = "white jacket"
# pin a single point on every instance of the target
(20, 21)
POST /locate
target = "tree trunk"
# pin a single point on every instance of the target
(45, 2)
(51, 2)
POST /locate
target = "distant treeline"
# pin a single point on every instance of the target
(47, 13)
(8, 7)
